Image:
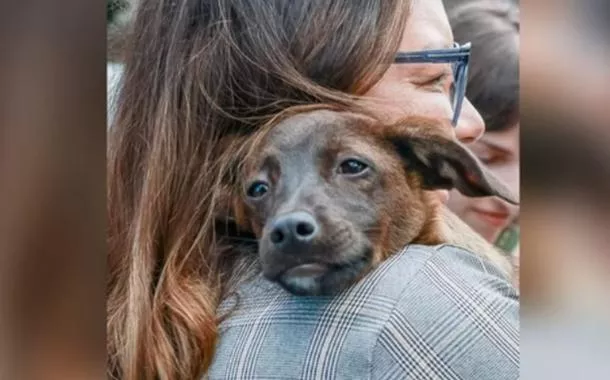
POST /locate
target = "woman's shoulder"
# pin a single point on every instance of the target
(418, 272)
(455, 308)
(424, 303)
(419, 265)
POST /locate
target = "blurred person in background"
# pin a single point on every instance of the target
(493, 88)
(565, 179)
(566, 271)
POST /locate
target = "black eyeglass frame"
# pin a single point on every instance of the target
(459, 56)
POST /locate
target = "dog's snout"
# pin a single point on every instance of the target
(296, 227)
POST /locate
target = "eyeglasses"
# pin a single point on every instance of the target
(458, 56)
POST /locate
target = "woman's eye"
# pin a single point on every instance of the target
(487, 155)
(492, 159)
(258, 190)
(352, 166)
(486, 159)
(440, 82)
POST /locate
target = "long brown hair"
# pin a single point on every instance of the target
(200, 77)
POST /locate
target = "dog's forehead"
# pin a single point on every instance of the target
(312, 128)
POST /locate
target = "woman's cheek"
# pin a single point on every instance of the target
(394, 101)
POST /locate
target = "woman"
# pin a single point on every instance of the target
(200, 76)
(493, 28)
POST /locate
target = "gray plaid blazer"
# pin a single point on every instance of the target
(426, 313)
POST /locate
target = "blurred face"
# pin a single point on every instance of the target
(489, 216)
(424, 89)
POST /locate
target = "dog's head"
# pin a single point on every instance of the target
(329, 193)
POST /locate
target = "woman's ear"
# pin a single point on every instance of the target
(446, 164)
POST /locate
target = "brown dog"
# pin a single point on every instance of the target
(332, 194)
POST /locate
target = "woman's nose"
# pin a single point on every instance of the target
(470, 126)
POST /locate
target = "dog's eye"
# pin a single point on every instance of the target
(352, 166)
(257, 190)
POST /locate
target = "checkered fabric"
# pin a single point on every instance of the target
(426, 313)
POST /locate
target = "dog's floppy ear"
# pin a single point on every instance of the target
(445, 164)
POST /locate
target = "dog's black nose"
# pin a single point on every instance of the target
(296, 227)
